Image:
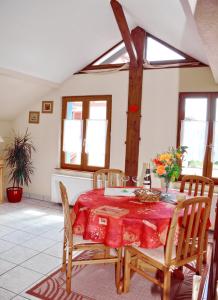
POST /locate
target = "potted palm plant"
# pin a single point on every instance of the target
(18, 157)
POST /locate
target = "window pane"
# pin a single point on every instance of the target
(215, 145)
(74, 111)
(96, 132)
(193, 162)
(159, 52)
(72, 140)
(97, 110)
(118, 55)
(194, 134)
(196, 109)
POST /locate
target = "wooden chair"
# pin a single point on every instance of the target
(108, 178)
(198, 186)
(77, 243)
(195, 185)
(190, 246)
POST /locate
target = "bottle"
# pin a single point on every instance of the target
(147, 177)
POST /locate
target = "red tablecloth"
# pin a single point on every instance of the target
(129, 222)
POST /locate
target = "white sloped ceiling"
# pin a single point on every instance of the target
(49, 40)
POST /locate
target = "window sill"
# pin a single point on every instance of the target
(69, 172)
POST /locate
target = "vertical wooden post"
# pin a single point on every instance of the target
(134, 105)
(135, 45)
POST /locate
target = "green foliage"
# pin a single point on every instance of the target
(195, 164)
(18, 159)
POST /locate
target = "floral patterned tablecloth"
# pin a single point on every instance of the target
(121, 220)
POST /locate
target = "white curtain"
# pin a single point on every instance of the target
(214, 157)
(72, 142)
(194, 136)
(96, 132)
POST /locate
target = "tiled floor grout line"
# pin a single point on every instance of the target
(21, 245)
(46, 275)
(32, 284)
(55, 227)
(10, 292)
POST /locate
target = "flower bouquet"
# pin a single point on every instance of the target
(168, 165)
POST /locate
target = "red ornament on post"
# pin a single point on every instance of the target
(133, 108)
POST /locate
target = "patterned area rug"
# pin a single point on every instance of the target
(97, 282)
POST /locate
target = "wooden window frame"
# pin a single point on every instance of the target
(186, 63)
(85, 115)
(211, 113)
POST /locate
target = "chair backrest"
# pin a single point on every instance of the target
(196, 185)
(68, 218)
(188, 225)
(108, 178)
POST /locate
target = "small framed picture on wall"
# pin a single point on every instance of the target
(47, 107)
(34, 117)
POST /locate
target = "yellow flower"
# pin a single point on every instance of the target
(166, 157)
(178, 155)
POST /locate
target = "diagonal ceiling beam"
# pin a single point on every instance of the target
(124, 30)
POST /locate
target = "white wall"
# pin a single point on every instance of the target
(159, 113)
(46, 135)
(5, 131)
(5, 128)
(158, 124)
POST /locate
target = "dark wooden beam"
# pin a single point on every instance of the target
(134, 105)
(124, 30)
(135, 45)
(138, 36)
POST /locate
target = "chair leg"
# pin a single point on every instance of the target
(64, 255)
(199, 265)
(166, 285)
(205, 248)
(118, 267)
(69, 271)
(127, 271)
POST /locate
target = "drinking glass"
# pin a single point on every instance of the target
(135, 179)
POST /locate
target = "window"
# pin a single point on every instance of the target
(118, 55)
(157, 51)
(198, 129)
(86, 124)
(157, 54)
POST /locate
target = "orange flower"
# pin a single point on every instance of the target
(161, 170)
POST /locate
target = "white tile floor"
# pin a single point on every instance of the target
(30, 245)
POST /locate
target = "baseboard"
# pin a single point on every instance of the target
(36, 196)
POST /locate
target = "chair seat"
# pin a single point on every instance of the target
(156, 254)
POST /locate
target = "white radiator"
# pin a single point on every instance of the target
(75, 185)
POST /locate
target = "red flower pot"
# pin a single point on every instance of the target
(14, 194)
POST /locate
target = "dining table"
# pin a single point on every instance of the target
(121, 220)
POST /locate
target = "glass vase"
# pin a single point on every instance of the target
(166, 184)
